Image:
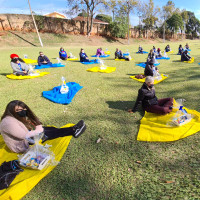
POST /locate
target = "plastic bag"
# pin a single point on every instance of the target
(64, 88)
(33, 72)
(156, 74)
(38, 156)
(102, 66)
(181, 117)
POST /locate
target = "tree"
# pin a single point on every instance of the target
(90, 5)
(149, 14)
(167, 11)
(83, 14)
(128, 7)
(111, 5)
(104, 18)
(175, 23)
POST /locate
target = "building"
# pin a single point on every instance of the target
(84, 19)
(56, 15)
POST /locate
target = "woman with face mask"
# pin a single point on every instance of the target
(63, 54)
(18, 65)
(148, 100)
(18, 124)
(83, 56)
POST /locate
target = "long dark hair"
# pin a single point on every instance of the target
(10, 111)
(18, 59)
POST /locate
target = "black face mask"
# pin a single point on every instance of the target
(22, 113)
(151, 86)
(15, 59)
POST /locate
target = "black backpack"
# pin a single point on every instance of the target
(8, 172)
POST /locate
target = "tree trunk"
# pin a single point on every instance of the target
(91, 24)
(128, 27)
(87, 21)
(164, 33)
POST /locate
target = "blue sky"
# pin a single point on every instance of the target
(47, 6)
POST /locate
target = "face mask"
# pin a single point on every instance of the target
(151, 86)
(15, 59)
(42, 55)
(62, 49)
(22, 113)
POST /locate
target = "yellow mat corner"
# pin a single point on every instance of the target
(98, 69)
(29, 61)
(153, 127)
(117, 59)
(107, 52)
(27, 179)
(72, 59)
(192, 60)
(12, 76)
(155, 81)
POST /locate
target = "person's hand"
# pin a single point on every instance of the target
(130, 111)
(25, 72)
(39, 128)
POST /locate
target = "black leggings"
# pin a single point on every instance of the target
(52, 132)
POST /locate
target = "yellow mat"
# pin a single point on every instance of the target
(27, 179)
(98, 69)
(170, 52)
(29, 61)
(153, 127)
(72, 59)
(155, 81)
(123, 59)
(107, 52)
(12, 76)
(192, 60)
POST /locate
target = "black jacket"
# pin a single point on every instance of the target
(151, 58)
(148, 71)
(185, 57)
(146, 97)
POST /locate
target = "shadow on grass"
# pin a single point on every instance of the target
(4, 74)
(22, 38)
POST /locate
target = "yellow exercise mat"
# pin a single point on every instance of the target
(72, 59)
(98, 69)
(170, 52)
(155, 81)
(29, 61)
(117, 59)
(192, 60)
(27, 179)
(153, 127)
(107, 52)
(12, 76)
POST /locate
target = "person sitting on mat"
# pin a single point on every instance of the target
(19, 124)
(185, 56)
(151, 57)
(148, 71)
(63, 54)
(180, 50)
(43, 60)
(100, 52)
(18, 65)
(187, 46)
(119, 55)
(167, 48)
(159, 54)
(148, 100)
(140, 49)
(154, 49)
(83, 56)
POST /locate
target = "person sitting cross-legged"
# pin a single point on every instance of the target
(83, 56)
(43, 60)
(185, 56)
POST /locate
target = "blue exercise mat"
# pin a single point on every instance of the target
(49, 66)
(144, 65)
(144, 52)
(91, 62)
(163, 58)
(55, 95)
(126, 54)
(103, 56)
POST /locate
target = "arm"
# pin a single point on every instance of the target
(138, 101)
(14, 128)
(15, 67)
(47, 59)
(39, 61)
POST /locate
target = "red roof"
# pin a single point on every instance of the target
(82, 19)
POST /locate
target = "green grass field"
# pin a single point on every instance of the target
(110, 169)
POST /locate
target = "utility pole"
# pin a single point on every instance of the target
(164, 31)
(35, 25)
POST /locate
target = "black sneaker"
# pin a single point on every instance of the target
(79, 128)
(44, 138)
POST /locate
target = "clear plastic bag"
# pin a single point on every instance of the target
(102, 66)
(32, 71)
(64, 88)
(38, 156)
(181, 117)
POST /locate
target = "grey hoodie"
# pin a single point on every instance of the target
(16, 67)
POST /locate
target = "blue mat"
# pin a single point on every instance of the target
(163, 58)
(144, 52)
(91, 62)
(49, 66)
(55, 95)
(144, 65)
(126, 54)
(104, 56)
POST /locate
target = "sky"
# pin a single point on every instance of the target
(47, 6)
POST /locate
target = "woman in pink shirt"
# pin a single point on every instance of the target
(19, 123)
